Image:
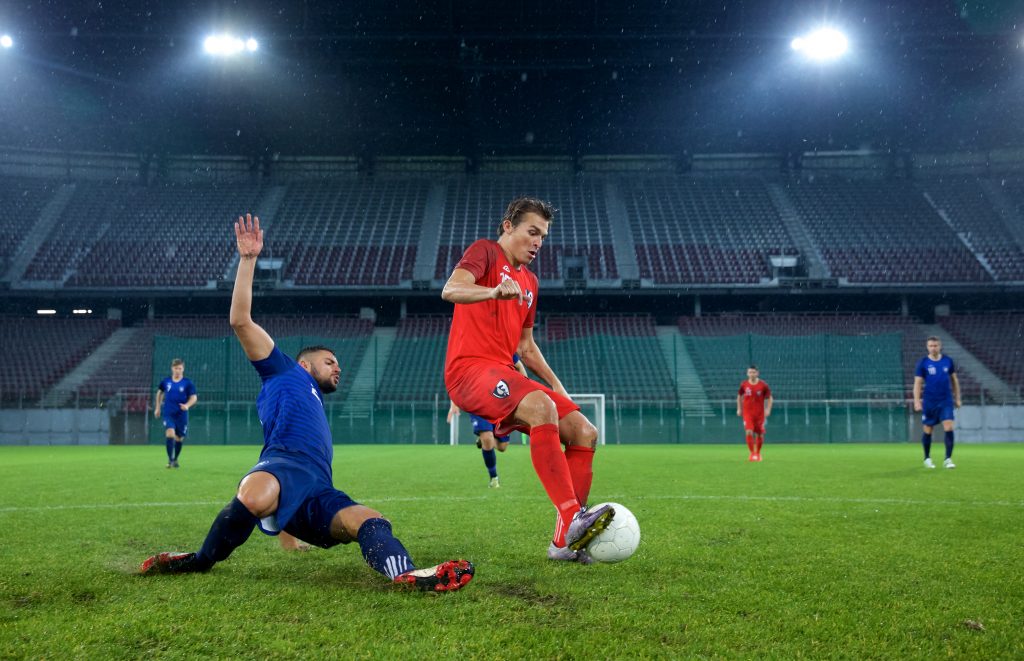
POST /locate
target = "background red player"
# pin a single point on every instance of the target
(754, 404)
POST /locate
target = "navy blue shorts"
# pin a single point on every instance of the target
(482, 425)
(934, 414)
(307, 503)
(178, 422)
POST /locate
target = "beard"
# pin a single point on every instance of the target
(326, 384)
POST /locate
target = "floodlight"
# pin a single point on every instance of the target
(6, 41)
(822, 45)
(226, 45)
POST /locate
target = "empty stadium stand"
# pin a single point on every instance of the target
(704, 231)
(21, 200)
(875, 231)
(415, 368)
(131, 236)
(996, 339)
(37, 352)
(964, 203)
(581, 229)
(860, 374)
(357, 231)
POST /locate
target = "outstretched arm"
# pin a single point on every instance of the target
(530, 355)
(255, 341)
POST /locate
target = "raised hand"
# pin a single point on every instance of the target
(249, 236)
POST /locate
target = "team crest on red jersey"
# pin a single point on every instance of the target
(501, 390)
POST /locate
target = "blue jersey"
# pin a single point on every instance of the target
(936, 375)
(291, 410)
(175, 393)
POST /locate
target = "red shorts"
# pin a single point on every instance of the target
(493, 391)
(755, 425)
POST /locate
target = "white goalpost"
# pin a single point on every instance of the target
(460, 429)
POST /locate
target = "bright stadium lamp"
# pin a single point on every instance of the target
(822, 45)
(226, 45)
(6, 41)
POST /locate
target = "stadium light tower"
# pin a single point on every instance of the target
(226, 45)
(822, 45)
(6, 41)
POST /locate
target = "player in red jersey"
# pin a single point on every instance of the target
(754, 404)
(495, 299)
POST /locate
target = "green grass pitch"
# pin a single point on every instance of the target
(821, 551)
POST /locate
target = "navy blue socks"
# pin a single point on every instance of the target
(926, 441)
(177, 450)
(230, 529)
(381, 550)
(491, 461)
(949, 444)
(170, 450)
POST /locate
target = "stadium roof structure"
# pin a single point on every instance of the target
(527, 77)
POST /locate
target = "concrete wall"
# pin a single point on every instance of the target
(989, 424)
(54, 427)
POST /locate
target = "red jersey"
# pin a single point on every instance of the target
(754, 397)
(489, 330)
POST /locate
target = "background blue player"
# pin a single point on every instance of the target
(485, 438)
(291, 487)
(937, 374)
(174, 397)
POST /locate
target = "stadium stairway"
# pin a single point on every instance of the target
(362, 395)
(64, 390)
(34, 240)
(618, 218)
(430, 234)
(962, 236)
(986, 378)
(689, 390)
(1005, 208)
(790, 217)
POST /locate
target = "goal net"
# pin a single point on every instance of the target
(591, 405)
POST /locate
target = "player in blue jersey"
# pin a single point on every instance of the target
(936, 373)
(174, 397)
(485, 438)
(291, 487)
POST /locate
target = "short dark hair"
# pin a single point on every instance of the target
(312, 349)
(753, 367)
(176, 362)
(932, 338)
(521, 206)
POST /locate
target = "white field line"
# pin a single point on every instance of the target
(614, 497)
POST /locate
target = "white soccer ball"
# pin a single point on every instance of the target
(619, 540)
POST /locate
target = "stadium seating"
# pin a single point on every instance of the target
(704, 231)
(995, 339)
(874, 231)
(474, 206)
(617, 356)
(38, 352)
(213, 359)
(21, 200)
(862, 372)
(359, 231)
(132, 236)
(415, 368)
(965, 205)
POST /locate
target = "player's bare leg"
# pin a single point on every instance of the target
(292, 543)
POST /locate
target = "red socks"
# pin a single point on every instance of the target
(553, 470)
(581, 461)
(751, 444)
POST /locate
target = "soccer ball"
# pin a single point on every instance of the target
(619, 540)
